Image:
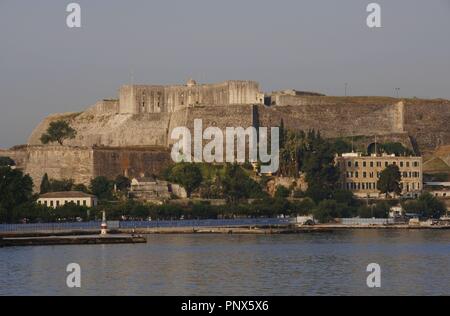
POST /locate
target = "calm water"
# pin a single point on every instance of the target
(413, 263)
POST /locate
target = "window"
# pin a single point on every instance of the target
(84, 203)
(416, 163)
(364, 174)
(356, 164)
(407, 164)
(57, 203)
(386, 164)
(356, 174)
(364, 164)
(401, 164)
(78, 202)
(371, 164)
(51, 203)
(378, 163)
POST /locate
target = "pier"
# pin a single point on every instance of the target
(71, 240)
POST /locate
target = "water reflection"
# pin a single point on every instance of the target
(413, 262)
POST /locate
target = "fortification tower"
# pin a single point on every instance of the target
(138, 99)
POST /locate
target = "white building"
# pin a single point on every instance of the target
(56, 199)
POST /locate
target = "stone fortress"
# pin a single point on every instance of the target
(130, 135)
(140, 99)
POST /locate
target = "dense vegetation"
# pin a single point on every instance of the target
(16, 190)
(427, 206)
(244, 192)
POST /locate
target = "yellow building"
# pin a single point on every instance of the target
(57, 199)
(360, 174)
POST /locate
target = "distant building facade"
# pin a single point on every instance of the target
(438, 189)
(360, 174)
(57, 199)
(140, 99)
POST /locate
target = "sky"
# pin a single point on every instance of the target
(314, 45)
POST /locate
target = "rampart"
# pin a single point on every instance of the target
(110, 141)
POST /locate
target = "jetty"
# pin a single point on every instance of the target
(71, 240)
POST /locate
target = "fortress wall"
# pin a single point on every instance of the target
(219, 116)
(137, 99)
(289, 99)
(126, 100)
(245, 92)
(83, 164)
(111, 129)
(139, 130)
(362, 143)
(131, 162)
(104, 107)
(60, 162)
(428, 122)
(19, 154)
(336, 120)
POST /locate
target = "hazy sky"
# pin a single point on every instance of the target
(318, 45)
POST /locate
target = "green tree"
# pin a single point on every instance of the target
(45, 184)
(102, 188)
(389, 181)
(238, 186)
(15, 190)
(6, 162)
(122, 183)
(318, 164)
(326, 211)
(58, 131)
(318, 193)
(80, 187)
(340, 146)
(304, 207)
(188, 175)
(282, 192)
(426, 206)
(61, 185)
(378, 210)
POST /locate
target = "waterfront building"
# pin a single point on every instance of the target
(57, 199)
(438, 189)
(360, 174)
